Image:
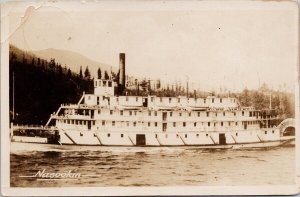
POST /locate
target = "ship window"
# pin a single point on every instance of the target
(207, 114)
(170, 99)
(222, 124)
(136, 99)
(195, 124)
(149, 113)
(197, 135)
(208, 124)
(266, 132)
(134, 124)
(185, 135)
(156, 124)
(198, 114)
(212, 100)
(121, 112)
(113, 123)
(174, 124)
(184, 124)
(149, 124)
(242, 113)
(130, 113)
(109, 84)
(108, 135)
(122, 135)
(223, 113)
(160, 99)
(155, 113)
(103, 122)
(111, 112)
(171, 113)
(220, 100)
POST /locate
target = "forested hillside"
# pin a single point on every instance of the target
(41, 86)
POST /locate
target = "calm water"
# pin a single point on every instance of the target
(104, 166)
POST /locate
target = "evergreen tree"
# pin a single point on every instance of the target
(87, 74)
(106, 76)
(69, 73)
(80, 73)
(99, 73)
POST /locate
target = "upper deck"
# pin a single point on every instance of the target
(154, 102)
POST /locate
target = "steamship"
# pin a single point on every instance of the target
(110, 118)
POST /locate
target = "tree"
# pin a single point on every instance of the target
(99, 73)
(69, 73)
(106, 76)
(115, 77)
(80, 72)
(87, 74)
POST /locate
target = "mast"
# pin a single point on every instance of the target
(270, 99)
(13, 96)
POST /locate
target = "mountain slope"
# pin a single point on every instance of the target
(73, 60)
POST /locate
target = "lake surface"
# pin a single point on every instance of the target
(136, 166)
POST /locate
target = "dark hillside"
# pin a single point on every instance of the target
(40, 87)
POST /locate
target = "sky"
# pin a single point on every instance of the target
(229, 45)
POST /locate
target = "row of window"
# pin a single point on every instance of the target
(113, 123)
(104, 83)
(161, 98)
(134, 112)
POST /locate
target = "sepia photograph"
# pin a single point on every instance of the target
(149, 97)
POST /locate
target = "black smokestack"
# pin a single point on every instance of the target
(122, 72)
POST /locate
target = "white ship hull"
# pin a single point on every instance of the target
(232, 139)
